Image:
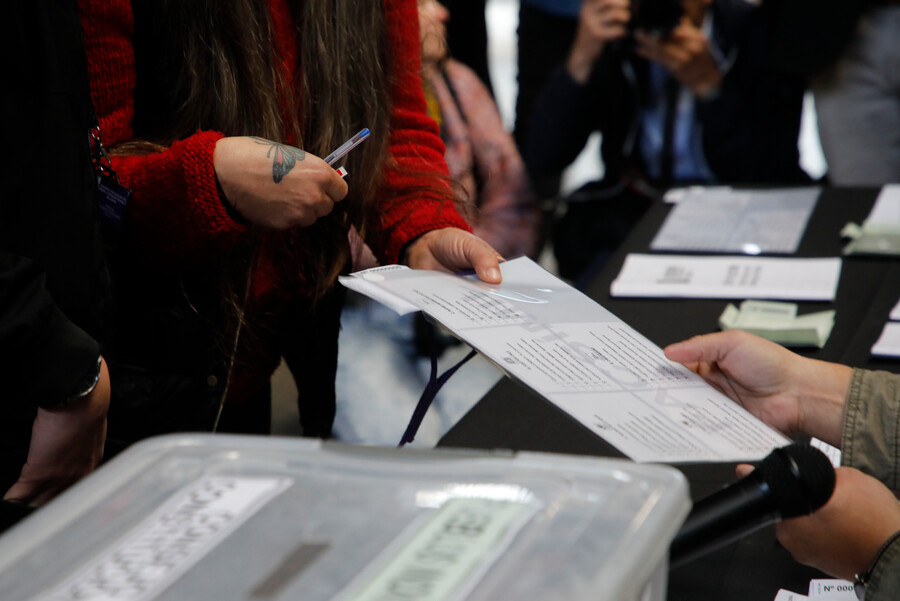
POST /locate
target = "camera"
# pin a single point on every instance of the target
(656, 17)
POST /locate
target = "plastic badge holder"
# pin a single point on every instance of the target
(220, 518)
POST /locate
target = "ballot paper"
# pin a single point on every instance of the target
(895, 312)
(887, 206)
(831, 589)
(786, 595)
(833, 453)
(779, 323)
(888, 344)
(880, 232)
(573, 352)
(726, 220)
(822, 590)
(727, 277)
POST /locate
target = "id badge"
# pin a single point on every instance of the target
(112, 198)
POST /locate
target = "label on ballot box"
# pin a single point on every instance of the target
(169, 542)
(442, 559)
(241, 518)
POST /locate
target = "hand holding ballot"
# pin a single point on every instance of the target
(452, 250)
(791, 393)
(579, 356)
(855, 534)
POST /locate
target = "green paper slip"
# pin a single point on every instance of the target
(779, 323)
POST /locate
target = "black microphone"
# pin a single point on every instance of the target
(792, 481)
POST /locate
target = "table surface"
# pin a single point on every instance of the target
(512, 416)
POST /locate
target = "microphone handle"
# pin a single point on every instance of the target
(722, 518)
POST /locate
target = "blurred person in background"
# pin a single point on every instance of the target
(384, 358)
(688, 93)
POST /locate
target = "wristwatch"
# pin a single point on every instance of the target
(85, 387)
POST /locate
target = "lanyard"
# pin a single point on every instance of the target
(435, 383)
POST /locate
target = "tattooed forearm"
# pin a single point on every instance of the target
(283, 157)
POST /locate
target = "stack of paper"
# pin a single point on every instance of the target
(779, 323)
(725, 220)
(880, 232)
(727, 277)
(888, 344)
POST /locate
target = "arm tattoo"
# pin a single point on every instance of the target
(284, 159)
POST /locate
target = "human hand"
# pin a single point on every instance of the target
(686, 53)
(451, 249)
(66, 445)
(789, 392)
(600, 22)
(843, 536)
(274, 185)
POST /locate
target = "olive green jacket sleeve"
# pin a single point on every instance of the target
(870, 442)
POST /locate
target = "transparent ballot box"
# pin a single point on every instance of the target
(203, 517)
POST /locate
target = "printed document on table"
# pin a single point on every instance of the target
(895, 312)
(585, 360)
(887, 207)
(725, 220)
(727, 277)
(888, 344)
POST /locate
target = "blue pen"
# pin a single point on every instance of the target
(347, 146)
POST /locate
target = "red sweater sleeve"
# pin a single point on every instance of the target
(415, 146)
(175, 216)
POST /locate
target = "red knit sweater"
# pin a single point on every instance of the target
(176, 217)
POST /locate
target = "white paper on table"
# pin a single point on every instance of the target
(786, 595)
(888, 344)
(727, 277)
(676, 195)
(887, 206)
(725, 220)
(895, 312)
(581, 357)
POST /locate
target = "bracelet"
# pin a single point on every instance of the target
(861, 580)
(87, 385)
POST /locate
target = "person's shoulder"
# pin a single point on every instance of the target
(464, 79)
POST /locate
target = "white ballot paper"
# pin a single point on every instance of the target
(887, 206)
(725, 220)
(727, 277)
(895, 312)
(888, 344)
(880, 232)
(786, 595)
(585, 360)
(831, 589)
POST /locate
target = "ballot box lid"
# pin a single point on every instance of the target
(215, 517)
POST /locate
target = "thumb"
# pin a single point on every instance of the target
(743, 470)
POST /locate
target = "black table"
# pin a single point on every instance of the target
(512, 416)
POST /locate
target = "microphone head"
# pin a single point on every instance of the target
(800, 477)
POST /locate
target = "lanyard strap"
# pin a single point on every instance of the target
(435, 383)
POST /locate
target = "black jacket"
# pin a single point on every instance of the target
(750, 128)
(54, 289)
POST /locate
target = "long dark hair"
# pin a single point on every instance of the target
(226, 74)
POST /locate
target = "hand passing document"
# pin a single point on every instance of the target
(554, 339)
